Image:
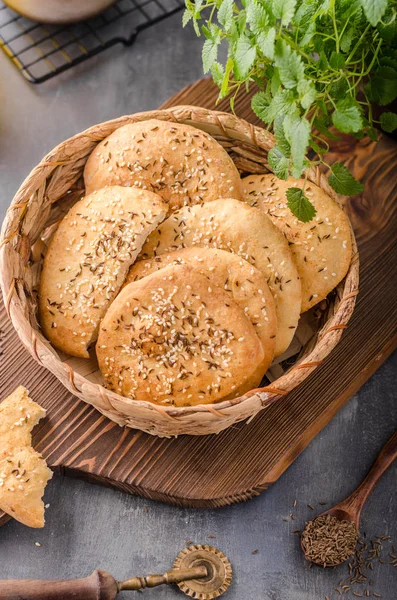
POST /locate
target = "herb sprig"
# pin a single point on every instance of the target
(318, 64)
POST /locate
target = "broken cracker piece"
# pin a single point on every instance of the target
(23, 471)
(18, 415)
(23, 477)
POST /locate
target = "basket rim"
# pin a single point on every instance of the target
(231, 127)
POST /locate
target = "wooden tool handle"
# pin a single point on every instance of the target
(385, 458)
(98, 586)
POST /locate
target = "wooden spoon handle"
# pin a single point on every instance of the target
(98, 586)
(387, 455)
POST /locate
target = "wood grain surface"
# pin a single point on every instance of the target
(244, 460)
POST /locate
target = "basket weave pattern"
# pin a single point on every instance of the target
(45, 196)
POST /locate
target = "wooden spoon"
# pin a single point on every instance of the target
(350, 509)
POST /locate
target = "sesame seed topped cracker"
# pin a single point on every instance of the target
(182, 164)
(246, 284)
(23, 471)
(234, 226)
(172, 339)
(322, 247)
(88, 259)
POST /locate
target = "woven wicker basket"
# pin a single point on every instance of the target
(44, 197)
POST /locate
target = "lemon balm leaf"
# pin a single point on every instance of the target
(343, 182)
(300, 205)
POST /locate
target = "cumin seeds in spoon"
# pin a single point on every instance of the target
(329, 541)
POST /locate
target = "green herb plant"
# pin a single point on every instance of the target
(318, 64)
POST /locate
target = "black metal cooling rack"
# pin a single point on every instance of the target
(41, 51)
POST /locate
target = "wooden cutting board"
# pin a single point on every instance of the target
(244, 460)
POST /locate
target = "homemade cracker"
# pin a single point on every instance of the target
(245, 283)
(19, 415)
(88, 259)
(237, 227)
(23, 478)
(182, 164)
(23, 471)
(174, 338)
(322, 247)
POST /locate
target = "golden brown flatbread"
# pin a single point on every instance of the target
(18, 416)
(183, 164)
(236, 227)
(322, 247)
(23, 477)
(226, 270)
(88, 259)
(23, 471)
(173, 338)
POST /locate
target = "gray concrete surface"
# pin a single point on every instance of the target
(91, 527)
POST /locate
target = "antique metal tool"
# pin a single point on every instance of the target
(201, 572)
